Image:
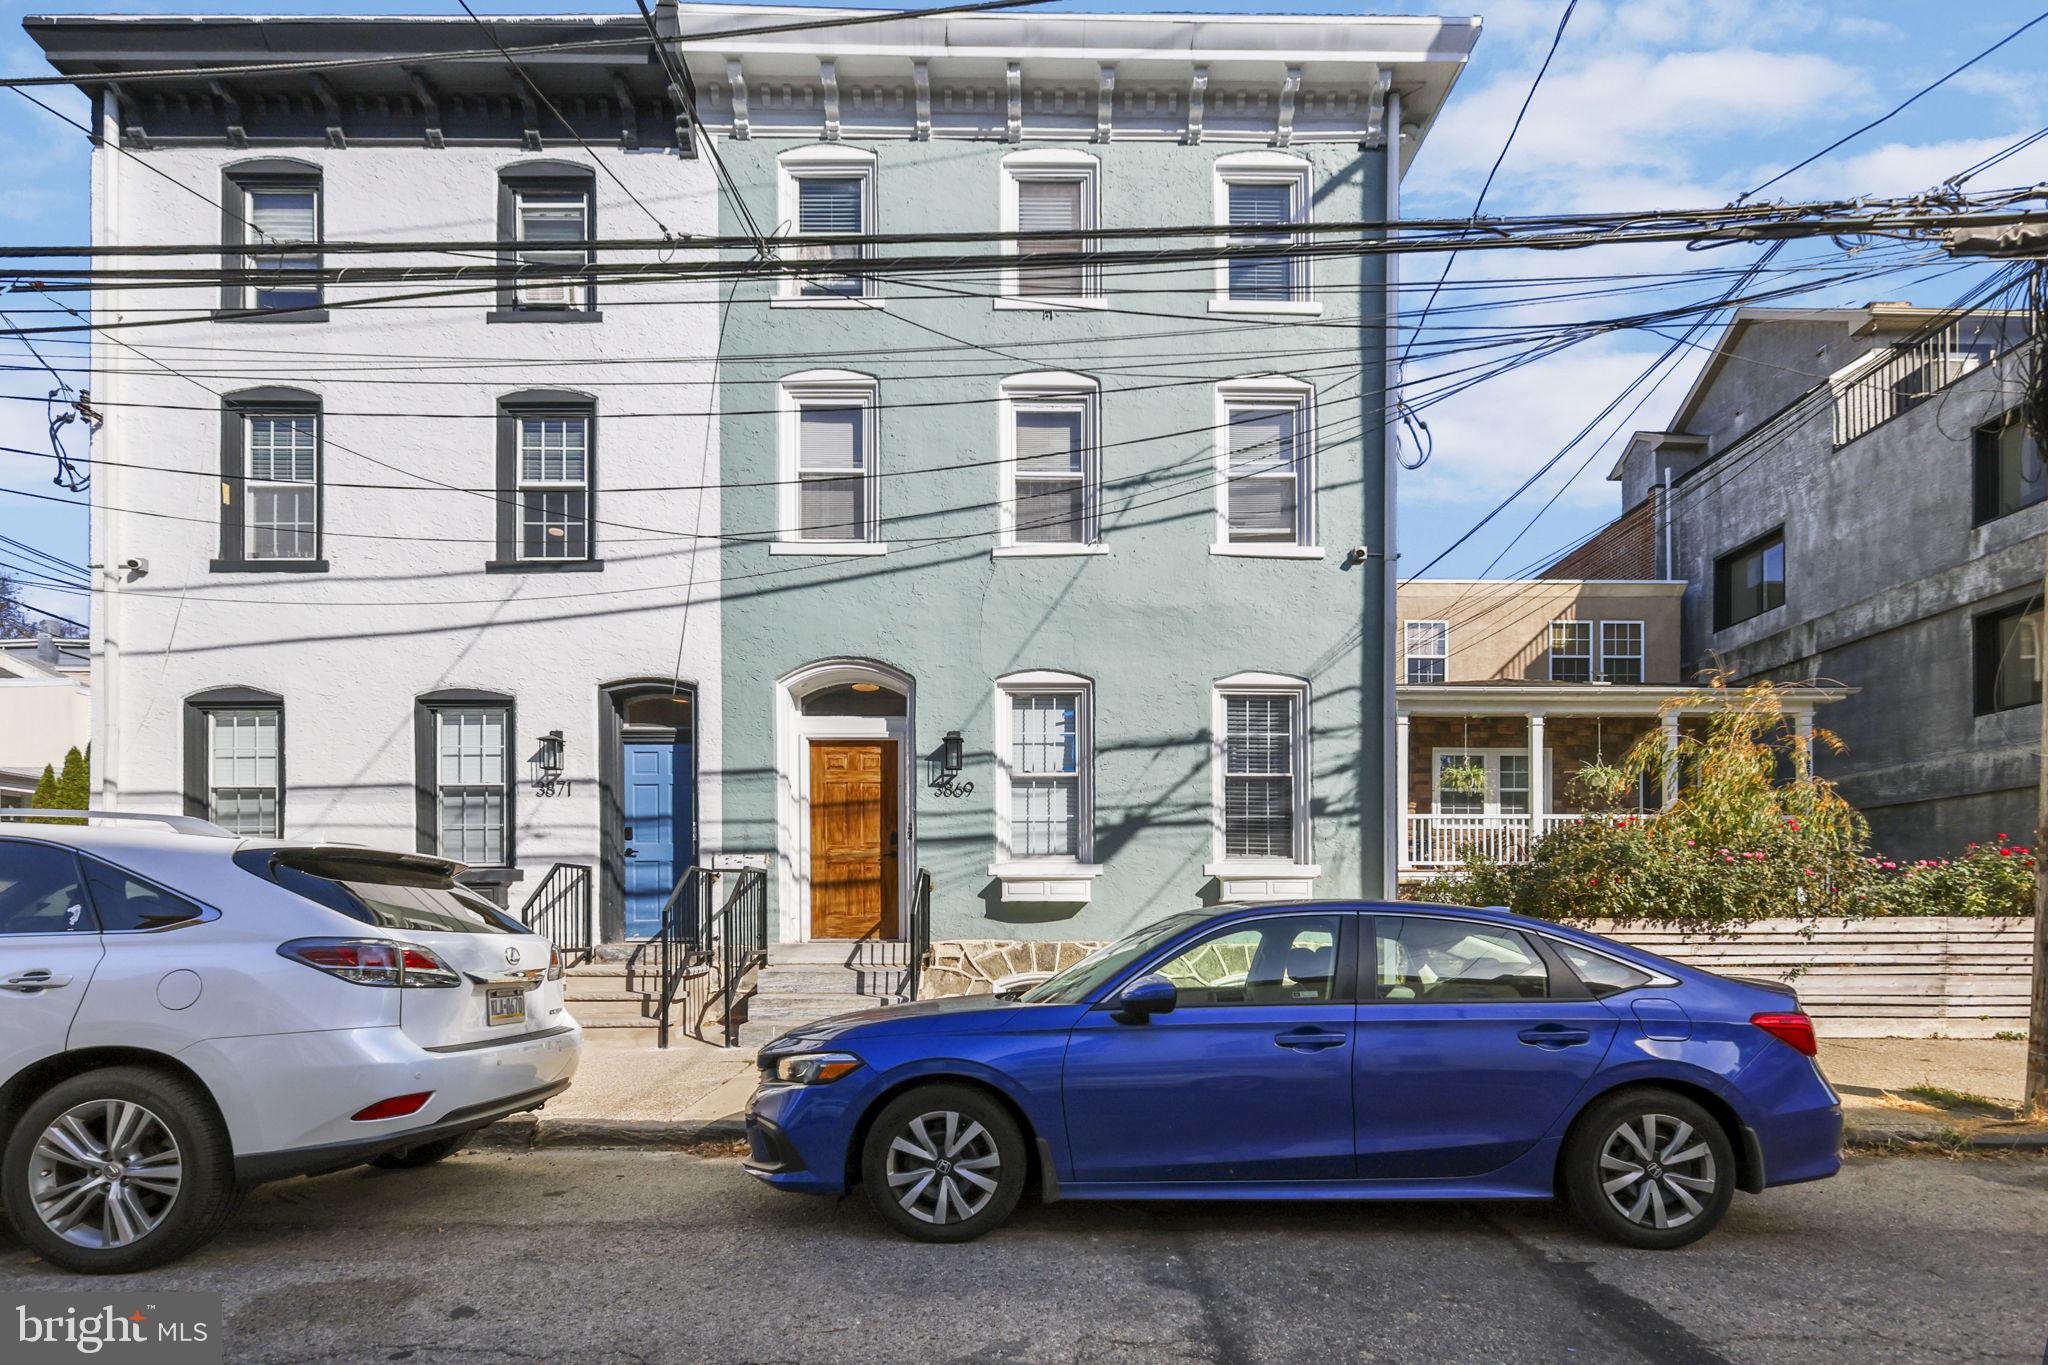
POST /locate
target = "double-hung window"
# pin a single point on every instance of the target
(828, 192)
(1260, 198)
(1749, 581)
(471, 783)
(1051, 192)
(547, 219)
(272, 218)
(1262, 815)
(547, 482)
(1045, 799)
(554, 486)
(1621, 652)
(244, 749)
(1571, 651)
(1050, 475)
(552, 222)
(829, 496)
(1266, 468)
(281, 517)
(2007, 474)
(1427, 649)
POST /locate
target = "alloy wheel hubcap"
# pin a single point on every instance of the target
(104, 1173)
(1657, 1171)
(943, 1167)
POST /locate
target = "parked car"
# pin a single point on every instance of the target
(1335, 1051)
(185, 1014)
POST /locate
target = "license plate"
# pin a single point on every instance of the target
(505, 1005)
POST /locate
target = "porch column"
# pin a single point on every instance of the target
(1670, 727)
(1539, 792)
(1403, 851)
(1802, 731)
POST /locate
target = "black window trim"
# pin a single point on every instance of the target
(513, 407)
(84, 891)
(540, 175)
(1979, 515)
(1722, 620)
(236, 180)
(207, 913)
(426, 779)
(199, 706)
(235, 410)
(1983, 680)
(1344, 983)
(1564, 983)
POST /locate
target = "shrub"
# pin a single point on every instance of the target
(1985, 879)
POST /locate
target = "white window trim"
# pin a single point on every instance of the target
(1053, 388)
(575, 280)
(1066, 881)
(1261, 878)
(1591, 656)
(276, 789)
(837, 161)
(1263, 168)
(1640, 655)
(827, 388)
(1052, 163)
(1490, 758)
(1270, 391)
(1444, 633)
(251, 485)
(506, 786)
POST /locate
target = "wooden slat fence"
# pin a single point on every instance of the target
(1905, 977)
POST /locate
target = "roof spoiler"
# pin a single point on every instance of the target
(183, 824)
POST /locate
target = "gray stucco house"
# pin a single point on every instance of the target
(1850, 497)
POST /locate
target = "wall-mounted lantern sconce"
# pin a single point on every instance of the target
(551, 753)
(952, 754)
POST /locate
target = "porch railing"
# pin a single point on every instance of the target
(739, 942)
(1444, 841)
(656, 966)
(700, 957)
(919, 935)
(561, 911)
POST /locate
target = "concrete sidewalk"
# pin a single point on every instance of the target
(692, 1094)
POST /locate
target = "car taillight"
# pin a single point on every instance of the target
(397, 1107)
(554, 964)
(1795, 1029)
(372, 962)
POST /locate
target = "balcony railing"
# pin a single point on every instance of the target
(1444, 841)
(1896, 379)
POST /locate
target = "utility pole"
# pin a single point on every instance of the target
(2029, 240)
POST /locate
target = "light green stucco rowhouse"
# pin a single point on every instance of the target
(1154, 625)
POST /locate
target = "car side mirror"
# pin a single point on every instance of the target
(1145, 997)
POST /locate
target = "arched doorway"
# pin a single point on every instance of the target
(845, 842)
(648, 772)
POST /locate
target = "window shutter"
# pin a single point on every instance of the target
(828, 205)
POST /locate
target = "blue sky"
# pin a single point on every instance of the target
(1649, 103)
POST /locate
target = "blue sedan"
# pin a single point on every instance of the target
(1324, 1051)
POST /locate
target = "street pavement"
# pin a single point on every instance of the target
(611, 1256)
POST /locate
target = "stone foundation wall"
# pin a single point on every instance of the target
(973, 966)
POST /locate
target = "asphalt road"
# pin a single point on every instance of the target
(626, 1256)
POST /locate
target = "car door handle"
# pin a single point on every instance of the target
(1555, 1036)
(1308, 1039)
(30, 982)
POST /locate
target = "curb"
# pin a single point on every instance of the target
(525, 1133)
(1933, 1137)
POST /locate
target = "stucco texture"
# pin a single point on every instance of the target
(1154, 622)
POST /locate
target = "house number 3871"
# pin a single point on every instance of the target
(550, 784)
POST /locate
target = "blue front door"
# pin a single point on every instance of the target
(660, 833)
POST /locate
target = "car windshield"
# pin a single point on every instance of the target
(380, 889)
(1075, 983)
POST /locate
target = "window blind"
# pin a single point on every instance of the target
(1260, 213)
(831, 462)
(1051, 206)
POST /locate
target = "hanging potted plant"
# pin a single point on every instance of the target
(1466, 777)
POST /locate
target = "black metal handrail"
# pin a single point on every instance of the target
(920, 935)
(742, 943)
(676, 947)
(561, 911)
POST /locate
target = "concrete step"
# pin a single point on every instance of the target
(802, 1009)
(839, 952)
(596, 1013)
(580, 993)
(809, 980)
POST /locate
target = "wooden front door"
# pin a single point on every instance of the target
(853, 838)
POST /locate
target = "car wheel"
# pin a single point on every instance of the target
(943, 1163)
(1649, 1168)
(425, 1154)
(118, 1170)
